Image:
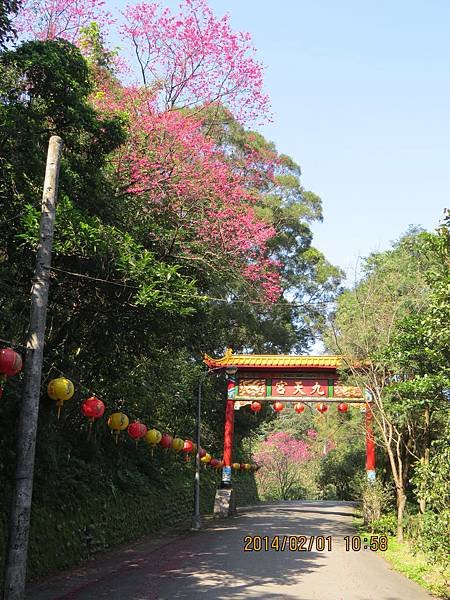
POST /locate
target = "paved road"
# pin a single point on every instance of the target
(212, 564)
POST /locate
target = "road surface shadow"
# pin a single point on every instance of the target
(208, 564)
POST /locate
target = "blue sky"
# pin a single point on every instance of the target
(361, 100)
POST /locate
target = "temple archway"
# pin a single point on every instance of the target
(290, 379)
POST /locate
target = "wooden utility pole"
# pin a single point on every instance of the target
(19, 523)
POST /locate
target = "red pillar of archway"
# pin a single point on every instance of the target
(370, 444)
(229, 431)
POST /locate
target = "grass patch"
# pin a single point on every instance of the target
(413, 564)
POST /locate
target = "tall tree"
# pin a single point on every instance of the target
(369, 328)
(393, 288)
(419, 354)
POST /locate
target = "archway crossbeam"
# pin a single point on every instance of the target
(305, 400)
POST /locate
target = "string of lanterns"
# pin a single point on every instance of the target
(299, 407)
(62, 389)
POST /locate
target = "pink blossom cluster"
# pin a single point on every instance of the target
(196, 59)
(51, 19)
(170, 167)
(175, 170)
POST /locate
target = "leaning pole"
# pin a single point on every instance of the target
(19, 523)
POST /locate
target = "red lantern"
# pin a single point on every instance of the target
(342, 407)
(214, 463)
(187, 448)
(322, 408)
(166, 441)
(137, 430)
(202, 452)
(299, 408)
(278, 406)
(93, 408)
(255, 406)
(242, 466)
(10, 362)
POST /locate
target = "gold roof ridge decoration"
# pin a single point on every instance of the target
(325, 361)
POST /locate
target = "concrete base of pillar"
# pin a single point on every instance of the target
(371, 475)
(224, 504)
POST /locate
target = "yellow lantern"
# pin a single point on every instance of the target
(177, 444)
(60, 389)
(206, 459)
(153, 437)
(236, 466)
(247, 467)
(117, 422)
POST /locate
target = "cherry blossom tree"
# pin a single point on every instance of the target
(197, 197)
(281, 458)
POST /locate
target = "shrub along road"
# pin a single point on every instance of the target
(212, 564)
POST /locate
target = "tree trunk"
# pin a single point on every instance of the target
(426, 454)
(399, 471)
(401, 503)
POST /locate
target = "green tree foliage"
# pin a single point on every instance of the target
(386, 326)
(309, 281)
(8, 8)
(433, 485)
(44, 91)
(419, 351)
(338, 471)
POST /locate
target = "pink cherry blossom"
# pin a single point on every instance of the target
(51, 19)
(194, 59)
(175, 171)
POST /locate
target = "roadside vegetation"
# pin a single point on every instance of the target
(406, 558)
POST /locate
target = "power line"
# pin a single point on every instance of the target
(202, 297)
(109, 281)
